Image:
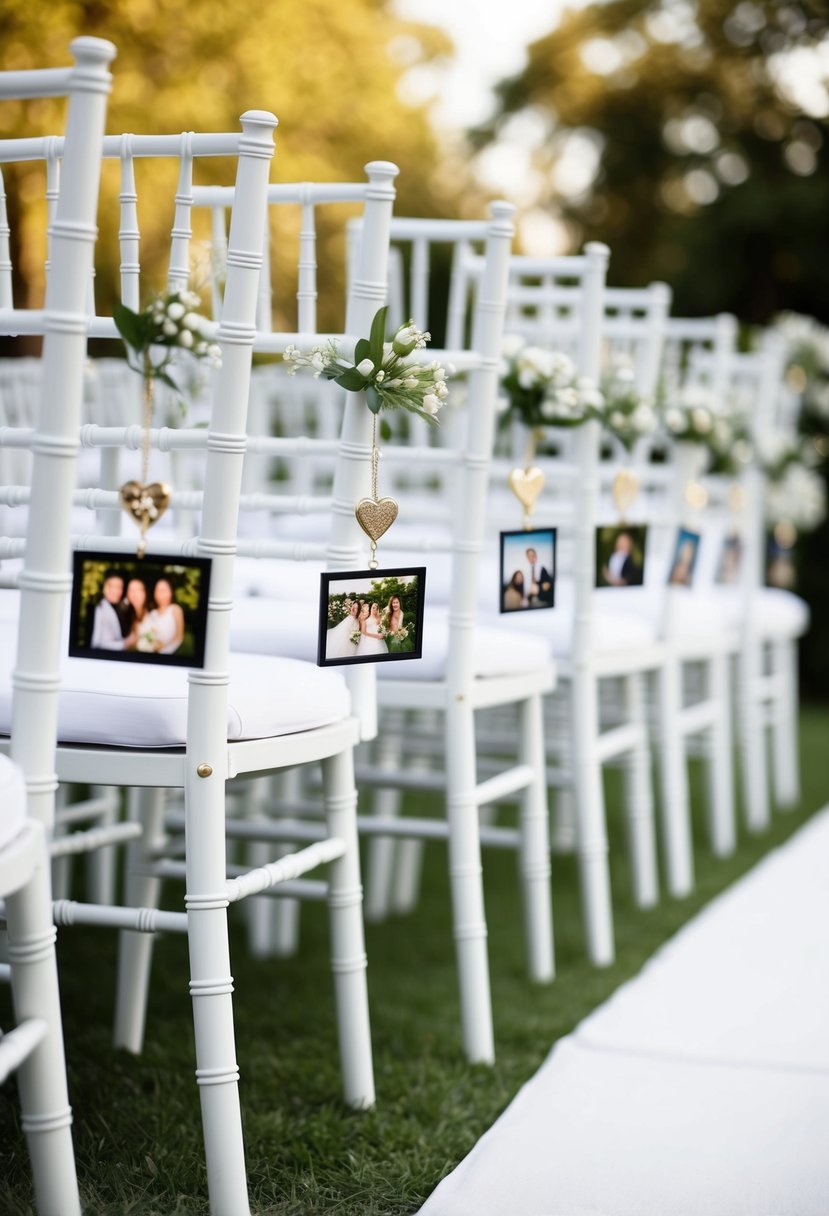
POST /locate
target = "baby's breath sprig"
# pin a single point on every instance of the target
(381, 369)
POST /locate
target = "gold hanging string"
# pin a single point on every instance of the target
(375, 515)
(143, 502)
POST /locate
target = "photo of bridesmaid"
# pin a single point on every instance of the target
(371, 616)
(142, 610)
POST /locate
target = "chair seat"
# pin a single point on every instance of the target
(290, 628)
(612, 632)
(136, 705)
(703, 614)
(12, 801)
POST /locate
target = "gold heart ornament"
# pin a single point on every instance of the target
(624, 490)
(526, 485)
(376, 515)
(145, 503)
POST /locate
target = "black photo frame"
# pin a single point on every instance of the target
(684, 558)
(620, 555)
(340, 589)
(730, 562)
(516, 568)
(97, 613)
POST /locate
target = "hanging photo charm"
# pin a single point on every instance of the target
(375, 614)
(624, 491)
(143, 501)
(527, 483)
(169, 323)
(375, 515)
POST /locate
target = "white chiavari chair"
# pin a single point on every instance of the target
(460, 672)
(170, 729)
(35, 1048)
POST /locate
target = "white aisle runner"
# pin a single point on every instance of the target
(701, 1088)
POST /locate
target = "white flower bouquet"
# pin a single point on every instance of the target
(354, 637)
(543, 388)
(626, 414)
(381, 369)
(146, 641)
(170, 322)
(797, 497)
(694, 418)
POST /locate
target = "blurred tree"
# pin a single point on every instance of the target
(330, 70)
(693, 138)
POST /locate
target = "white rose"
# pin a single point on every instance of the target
(185, 339)
(365, 367)
(192, 320)
(674, 420)
(511, 345)
(169, 328)
(701, 419)
(643, 419)
(617, 419)
(175, 310)
(431, 404)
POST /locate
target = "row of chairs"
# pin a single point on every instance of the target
(261, 741)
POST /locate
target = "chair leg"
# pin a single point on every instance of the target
(559, 747)
(751, 713)
(410, 853)
(594, 869)
(534, 853)
(211, 990)
(386, 802)
(784, 725)
(100, 864)
(466, 885)
(675, 808)
(273, 924)
(135, 950)
(722, 827)
(348, 954)
(47, 1117)
(639, 802)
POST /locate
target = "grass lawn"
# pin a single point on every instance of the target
(137, 1127)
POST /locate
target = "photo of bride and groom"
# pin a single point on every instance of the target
(146, 610)
(371, 616)
(528, 569)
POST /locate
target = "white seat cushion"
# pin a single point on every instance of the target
(135, 705)
(12, 800)
(291, 628)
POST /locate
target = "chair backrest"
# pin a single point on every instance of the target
(224, 441)
(344, 444)
(473, 346)
(63, 323)
(576, 284)
(697, 352)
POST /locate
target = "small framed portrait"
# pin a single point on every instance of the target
(139, 609)
(620, 555)
(371, 616)
(730, 561)
(781, 565)
(528, 570)
(684, 558)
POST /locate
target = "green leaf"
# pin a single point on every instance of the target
(168, 380)
(362, 350)
(130, 326)
(377, 336)
(373, 399)
(351, 379)
(385, 429)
